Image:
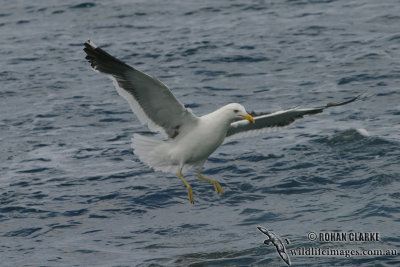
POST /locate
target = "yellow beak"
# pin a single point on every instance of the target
(248, 117)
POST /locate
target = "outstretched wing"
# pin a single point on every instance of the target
(276, 119)
(151, 101)
(277, 242)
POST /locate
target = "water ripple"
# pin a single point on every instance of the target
(73, 194)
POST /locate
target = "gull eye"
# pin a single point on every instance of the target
(236, 111)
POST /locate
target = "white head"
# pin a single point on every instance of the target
(236, 111)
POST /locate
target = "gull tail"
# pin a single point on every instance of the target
(152, 152)
(144, 148)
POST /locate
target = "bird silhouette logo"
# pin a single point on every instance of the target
(277, 242)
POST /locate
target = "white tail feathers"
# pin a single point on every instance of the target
(157, 154)
(143, 146)
(152, 152)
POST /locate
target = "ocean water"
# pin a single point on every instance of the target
(73, 194)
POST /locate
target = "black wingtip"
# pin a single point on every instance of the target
(90, 50)
(101, 61)
(89, 43)
(343, 103)
(89, 46)
(262, 229)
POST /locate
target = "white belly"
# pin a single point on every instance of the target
(199, 143)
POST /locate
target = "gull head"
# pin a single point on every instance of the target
(236, 111)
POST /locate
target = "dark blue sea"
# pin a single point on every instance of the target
(73, 194)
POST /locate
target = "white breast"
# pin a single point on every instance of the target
(201, 141)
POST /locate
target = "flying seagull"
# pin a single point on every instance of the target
(277, 242)
(190, 139)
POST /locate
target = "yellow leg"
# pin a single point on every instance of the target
(189, 188)
(217, 187)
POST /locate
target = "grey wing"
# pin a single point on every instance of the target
(280, 248)
(276, 119)
(151, 101)
(264, 231)
(285, 257)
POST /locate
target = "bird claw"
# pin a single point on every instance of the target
(218, 188)
(190, 194)
(216, 185)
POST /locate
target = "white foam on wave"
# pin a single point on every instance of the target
(363, 132)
